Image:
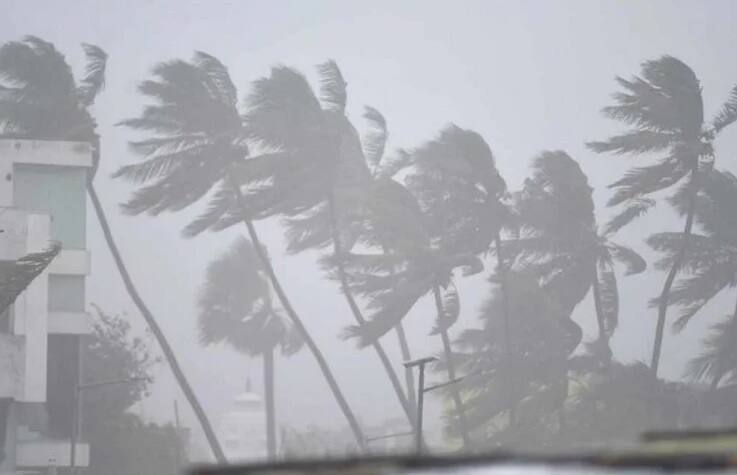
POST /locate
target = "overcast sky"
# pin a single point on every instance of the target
(527, 75)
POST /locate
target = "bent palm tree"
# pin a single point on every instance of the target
(560, 242)
(41, 100)
(235, 307)
(197, 143)
(317, 179)
(710, 265)
(455, 179)
(664, 107)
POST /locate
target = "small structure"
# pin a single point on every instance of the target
(243, 428)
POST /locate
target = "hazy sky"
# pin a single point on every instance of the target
(527, 75)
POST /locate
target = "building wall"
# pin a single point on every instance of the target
(42, 198)
(58, 192)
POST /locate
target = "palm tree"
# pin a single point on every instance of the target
(560, 241)
(235, 307)
(710, 265)
(665, 110)
(456, 213)
(40, 99)
(533, 380)
(461, 191)
(320, 178)
(197, 143)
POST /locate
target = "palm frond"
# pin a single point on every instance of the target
(450, 309)
(635, 142)
(693, 292)
(609, 299)
(282, 110)
(727, 114)
(16, 276)
(634, 263)
(374, 142)
(389, 309)
(633, 209)
(222, 86)
(645, 180)
(702, 251)
(332, 86)
(667, 98)
(719, 356)
(235, 305)
(94, 78)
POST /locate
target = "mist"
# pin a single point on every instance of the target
(524, 85)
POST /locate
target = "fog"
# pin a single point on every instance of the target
(528, 76)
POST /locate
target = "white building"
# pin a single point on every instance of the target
(42, 198)
(243, 428)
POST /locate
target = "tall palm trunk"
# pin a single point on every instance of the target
(502, 271)
(297, 322)
(457, 401)
(270, 406)
(176, 369)
(677, 262)
(603, 338)
(358, 316)
(407, 356)
(409, 379)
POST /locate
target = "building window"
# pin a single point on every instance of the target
(66, 293)
(62, 377)
(59, 192)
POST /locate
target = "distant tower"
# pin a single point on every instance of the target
(243, 427)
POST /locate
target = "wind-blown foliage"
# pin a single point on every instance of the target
(664, 108)
(559, 241)
(16, 276)
(235, 307)
(710, 264)
(199, 146)
(533, 378)
(40, 99)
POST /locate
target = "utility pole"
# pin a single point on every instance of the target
(421, 390)
(179, 437)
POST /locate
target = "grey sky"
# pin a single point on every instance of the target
(527, 75)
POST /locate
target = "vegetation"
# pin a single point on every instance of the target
(236, 308)
(394, 228)
(120, 442)
(40, 99)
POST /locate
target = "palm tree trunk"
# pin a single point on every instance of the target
(677, 262)
(270, 406)
(212, 440)
(407, 356)
(358, 316)
(597, 306)
(502, 271)
(297, 322)
(457, 401)
(409, 379)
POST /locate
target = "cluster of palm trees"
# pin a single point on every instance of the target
(393, 228)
